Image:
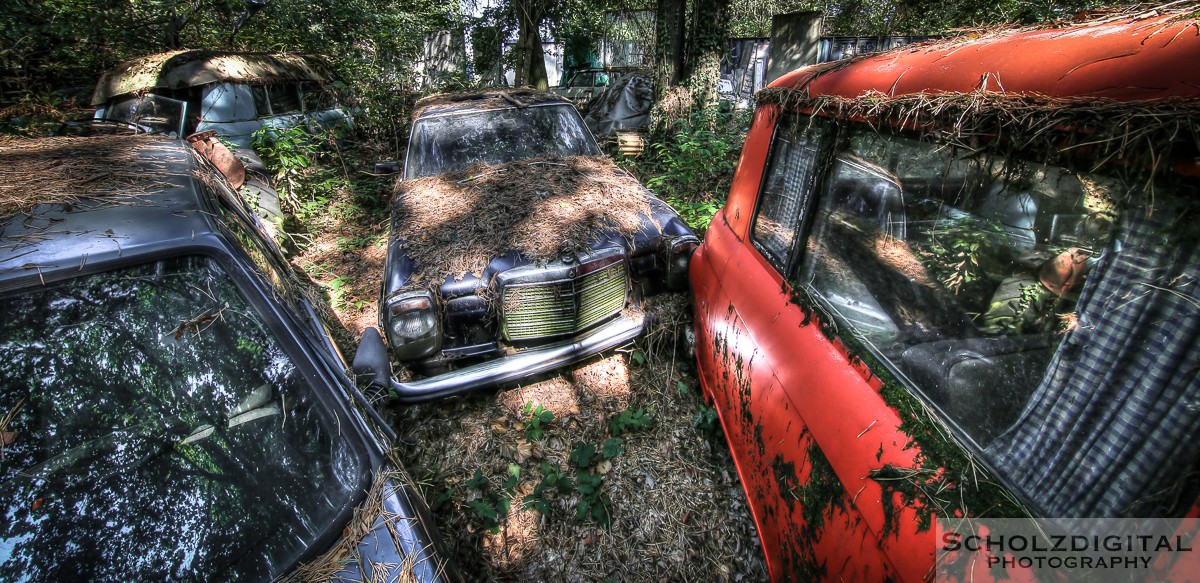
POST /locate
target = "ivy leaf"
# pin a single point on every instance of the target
(613, 447)
(483, 510)
(639, 358)
(534, 503)
(581, 456)
(477, 482)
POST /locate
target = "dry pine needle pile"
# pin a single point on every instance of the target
(455, 223)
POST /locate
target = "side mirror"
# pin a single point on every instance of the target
(387, 168)
(371, 362)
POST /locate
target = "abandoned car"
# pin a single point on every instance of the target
(234, 94)
(515, 247)
(959, 280)
(171, 404)
(586, 84)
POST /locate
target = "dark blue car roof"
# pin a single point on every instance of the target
(154, 206)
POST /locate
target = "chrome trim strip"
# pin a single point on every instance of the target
(523, 364)
(558, 270)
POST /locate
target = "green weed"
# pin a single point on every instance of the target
(538, 419)
(628, 421)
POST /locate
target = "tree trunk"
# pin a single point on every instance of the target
(531, 63)
(178, 21)
(710, 35)
(668, 45)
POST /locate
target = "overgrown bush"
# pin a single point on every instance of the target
(690, 162)
(36, 116)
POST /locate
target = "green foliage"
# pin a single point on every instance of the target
(958, 253)
(479, 481)
(553, 482)
(582, 455)
(288, 153)
(707, 421)
(514, 474)
(37, 115)
(52, 44)
(639, 357)
(337, 290)
(493, 504)
(538, 419)
(357, 243)
(690, 163)
(593, 501)
(312, 174)
(628, 421)
(612, 447)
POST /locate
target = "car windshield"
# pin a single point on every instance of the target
(153, 428)
(496, 136)
(155, 112)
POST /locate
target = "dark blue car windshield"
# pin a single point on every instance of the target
(496, 136)
(151, 428)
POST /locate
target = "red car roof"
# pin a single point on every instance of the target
(1145, 56)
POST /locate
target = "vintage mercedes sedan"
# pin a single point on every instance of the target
(171, 405)
(515, 246)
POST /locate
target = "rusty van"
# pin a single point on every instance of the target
(959, 280)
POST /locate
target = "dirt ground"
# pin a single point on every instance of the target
(674, 506)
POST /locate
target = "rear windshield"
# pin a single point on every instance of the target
(153, 428)
(496, 136)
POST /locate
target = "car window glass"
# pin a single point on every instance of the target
(498, 136)
(960, 271)
(153, 408)
(284, 98)
(262, 105)
(786, 186)
(150, 111)
(317, 97)
(224, 102)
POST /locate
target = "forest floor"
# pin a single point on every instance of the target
(613, 470)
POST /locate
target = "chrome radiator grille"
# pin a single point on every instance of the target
(560, 306)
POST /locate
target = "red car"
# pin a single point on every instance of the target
(959, 279)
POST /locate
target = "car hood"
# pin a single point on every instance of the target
(546, 209)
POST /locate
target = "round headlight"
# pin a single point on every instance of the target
(412, 325)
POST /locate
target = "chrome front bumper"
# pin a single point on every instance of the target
(522, 364)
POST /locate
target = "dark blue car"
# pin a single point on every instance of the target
(171, 405)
